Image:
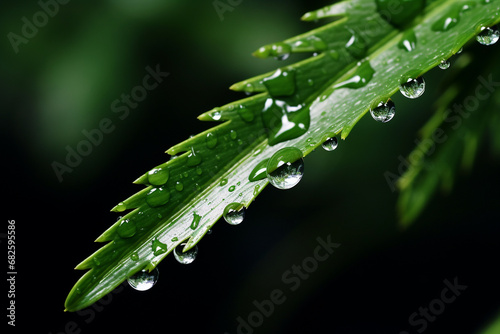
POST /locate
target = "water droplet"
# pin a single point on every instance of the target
(285, 168)
(355, 46)
(412, 88)
(158, 176)
(144, 280)
(193, 159)
(179, 186)
(234, 213)
(158, 247)
(233, 134)
(196, 221)
(409, 41)
(447, 21)
(232, 188)
(330, 144)
(256, 190)
(246, 114)
(158, 196)
(280, 83)
(259, 172)
(199, 171)
(215, 114)
(188, 256)
(126, 229)
(384, 111)
(223, 182)
(96, 261)
(211, 140)
(134, 256)
(120, 207)
(284, 121)
(444, 64)
(488, 36)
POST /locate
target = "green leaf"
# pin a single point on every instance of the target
(360, 62)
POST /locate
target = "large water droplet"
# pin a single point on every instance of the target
(211, 140)
(356, 45)
(384, 111)
(330, 144)
(488, 36)
(284, 121)
(445, 64)
(158, 176)
(285, 168)
(234, 213)
(126, 229)
(158, 196)
(280, 83)
(158, 247)
(144, 280)
(259, 172)
(412, 88)
(188, 256)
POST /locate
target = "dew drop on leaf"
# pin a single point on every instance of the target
(188, 256)
(179, 186)
(330, 144)
(126, 229)
(412, 88)
(158, 247)
(444, 64)
(211, 140)
(488, 36)
(285, 168)
(384, 111)
(158, 196)
(158, 176)
(144, 280)
(234, 213)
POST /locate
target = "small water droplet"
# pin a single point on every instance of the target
(144, 280)
(158, 196)
(188, 256)
(234, 213)
(246, 114)
(285, 168)
(233, 134)
(223, 182)
(356, 45)
(158, 176)
(179, 186)
(384, 111)
(211, 140)
(444, 64)
(120, 207)
(126, 229)
(488, 36)
(330, 144)
(193, 159)
(215, 114)
(409, 41)
(412, 88)
(232, 188)
(196, 221)
(199, 171)
(134, 256)
(158, 247)
(96, 261)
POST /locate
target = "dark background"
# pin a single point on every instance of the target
(63, 82)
